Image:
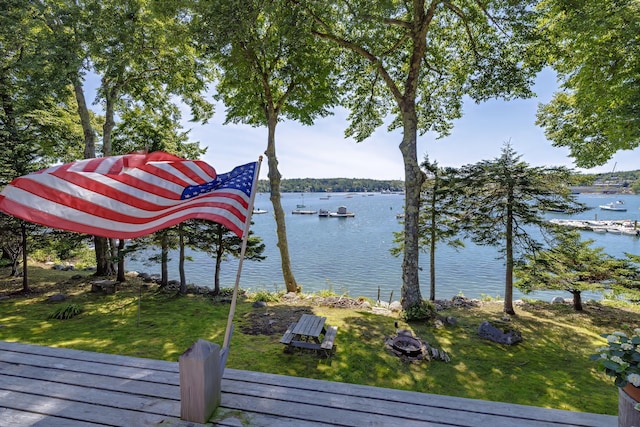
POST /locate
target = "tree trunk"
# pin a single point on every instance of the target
(103, 263)
(577, 300)
(432, 246)
(414, 178)
(164, 259)
(219, 255)
(183, 277)
(508, 280)
(85, 119)
(121, 276)
(25, 276)
(109, 124)
(103, 266)
(274, 182)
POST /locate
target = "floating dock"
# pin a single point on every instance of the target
(624, 226)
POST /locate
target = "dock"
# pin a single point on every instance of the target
(55, 387)
(625, 226)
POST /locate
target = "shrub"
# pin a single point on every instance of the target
(424, 310)
(266, 296)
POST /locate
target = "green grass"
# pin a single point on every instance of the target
(550, 368)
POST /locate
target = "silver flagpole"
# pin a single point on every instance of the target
(245, 236)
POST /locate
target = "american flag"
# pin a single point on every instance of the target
(131, 196)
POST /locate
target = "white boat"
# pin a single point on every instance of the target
(342, 213)
(617, 206)
(304, 212)
(259, 211)
(323, 212)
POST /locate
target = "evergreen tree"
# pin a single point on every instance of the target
(217, 241)
(573, 265)
(439, 207)
(504, 201)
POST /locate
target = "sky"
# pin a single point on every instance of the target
(322, 151)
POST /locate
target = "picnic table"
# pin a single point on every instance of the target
(306, 334)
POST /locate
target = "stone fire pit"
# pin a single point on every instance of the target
(413, 349)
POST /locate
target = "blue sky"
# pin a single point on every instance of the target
(322, 151)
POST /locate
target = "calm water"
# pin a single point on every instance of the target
(352, 254)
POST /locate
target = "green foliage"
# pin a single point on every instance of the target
(620, 358)
(266, 296)
(593, 46)
(424, 310)
(65, 312)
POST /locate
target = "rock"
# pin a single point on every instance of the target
(441, 321)
(76, 276)
(57, 298)
(259, 304)
(395, 306)
(557, 300)
(487, 331)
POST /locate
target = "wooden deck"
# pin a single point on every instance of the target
(51, 387)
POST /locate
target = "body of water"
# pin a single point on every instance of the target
(351, 255)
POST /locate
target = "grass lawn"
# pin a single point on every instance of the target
(550, 368)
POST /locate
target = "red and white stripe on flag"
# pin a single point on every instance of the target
(131, 196)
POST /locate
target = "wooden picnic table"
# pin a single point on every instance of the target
(309, 328)
(306, 333)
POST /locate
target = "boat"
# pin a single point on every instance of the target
(617, 206)
(342, 213)
(259, 211)
(323, 212)
(304, 212)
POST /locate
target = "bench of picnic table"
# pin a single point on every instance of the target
(329, 338)
(288, 335)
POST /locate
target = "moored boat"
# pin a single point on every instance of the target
(342, 213)
(304, 212)
(617, 206)
(258, 211)
(323, 212)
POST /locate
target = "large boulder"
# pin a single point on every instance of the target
(487, 331)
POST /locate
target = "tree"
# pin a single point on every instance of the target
(595, 51)
(144, 128)
(416, 61)
(271, 68)
(217, 241)
(505, 199)
(573, 265)
(440, 204)
(29, 111)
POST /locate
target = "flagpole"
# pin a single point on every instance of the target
(245, 237)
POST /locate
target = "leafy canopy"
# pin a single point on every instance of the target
(595, 49)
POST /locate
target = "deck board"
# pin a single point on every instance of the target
(46, 386)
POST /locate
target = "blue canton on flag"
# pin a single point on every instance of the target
(240, 178)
